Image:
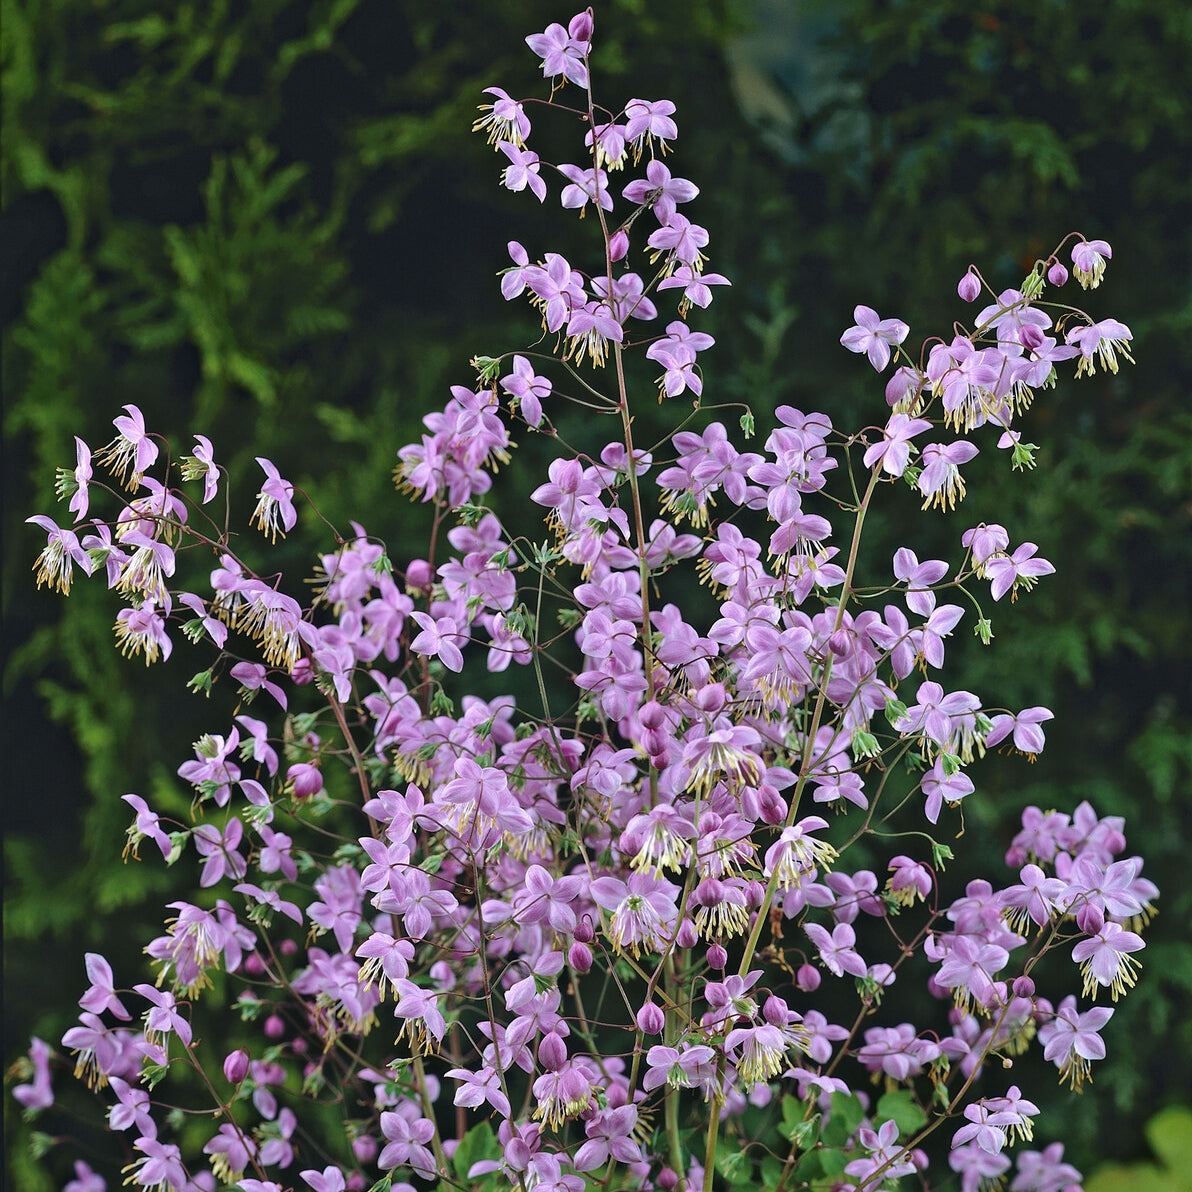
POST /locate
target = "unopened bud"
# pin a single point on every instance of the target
(552, 1052)
(1057, 274)
(771, 804)
(807, 978)
(717, 957)
(306, 779)
(775, 1011)
(970, 286)
(710, 698)
(274, 1027)
(652, 714)
(580, 26)
(419, 574)
(1031, 336)
(651, 1019)
(579, 956)
(235, 1066)
(687, 936)
(618, 245)
(365, 1148)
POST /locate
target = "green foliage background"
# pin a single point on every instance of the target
(270, 224)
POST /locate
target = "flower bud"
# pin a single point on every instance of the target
(755, 894)
(652, 714)
(580, 26)
(710, 698)
(583, 931)
(775, 1011)
(1031, 336)
(807, 978)
(419, 575)
(356, 1182)
(1057, 274)
(717, 957)
(687, 936)
(1090, 919)
(254, 966)
(651, 1019)
(289, 947)
(579, 956)
(552, 1052)
(1023, 987)
(364, 1148)
(654, 740)
(275, 1027)
(970, 286)
(618, 245)
(771, 805)
(235, 1066)
(306, 779)
(667, 1180)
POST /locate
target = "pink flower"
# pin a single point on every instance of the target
(874, 336)
(563, 51)
(274, 502)
(1008, 573)
(894, 450)
(1088, 262)
(1028, 736)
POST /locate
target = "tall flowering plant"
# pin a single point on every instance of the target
(625, 936)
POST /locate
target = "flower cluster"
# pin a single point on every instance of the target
(560, 946)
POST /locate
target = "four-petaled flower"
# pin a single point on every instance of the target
(874, 336)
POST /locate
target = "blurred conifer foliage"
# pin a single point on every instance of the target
(269, 223)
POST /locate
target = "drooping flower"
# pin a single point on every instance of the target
(74, 482)
(1103, 340)
(1105, 960)
(38, 1094)
(1071, 1040)
(274, 502)
(940, 482)
(160, 1168)
(644, 911)
(143, 631)
(1088, 262)
(54, 566)
(201, 465)
(131, 446)
(506, 119)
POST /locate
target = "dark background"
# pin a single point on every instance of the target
(269, 223)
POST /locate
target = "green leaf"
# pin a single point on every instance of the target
(478, 1144)
(846, 1115)
(900, 1107)
(771, 1168)
(1170, 1135)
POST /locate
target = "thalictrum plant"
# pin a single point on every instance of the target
(604, 939)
